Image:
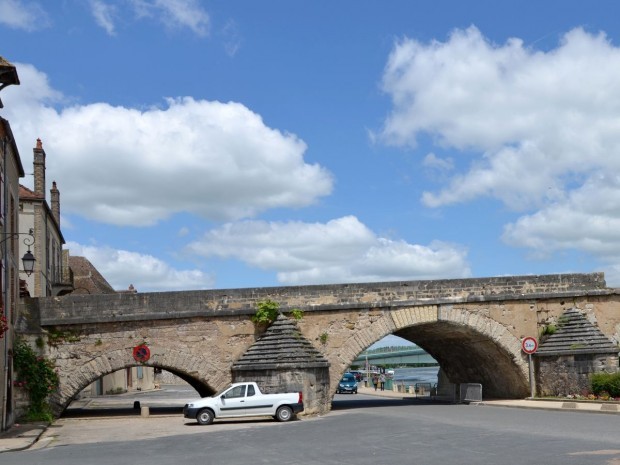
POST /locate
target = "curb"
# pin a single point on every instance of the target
(21, 437)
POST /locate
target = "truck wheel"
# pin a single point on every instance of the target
(284, 413)
(205, 416)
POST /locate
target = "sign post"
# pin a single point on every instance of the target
(529, 345)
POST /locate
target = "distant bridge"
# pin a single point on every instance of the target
(414, 356)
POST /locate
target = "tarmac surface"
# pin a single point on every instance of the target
(34, 435)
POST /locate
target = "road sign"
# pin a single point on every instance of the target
(141, 353)
(529, 345)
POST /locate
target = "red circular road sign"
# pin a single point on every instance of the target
(141, 353)
(529, 345)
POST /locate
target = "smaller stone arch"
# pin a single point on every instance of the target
(196, 370)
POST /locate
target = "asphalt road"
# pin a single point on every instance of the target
(360, 430)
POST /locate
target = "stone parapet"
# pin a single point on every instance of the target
(76, 309)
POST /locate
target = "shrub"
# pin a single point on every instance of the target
(38, 375)
(266, 312)
(297, 314)
(606, 383)
(548, 330)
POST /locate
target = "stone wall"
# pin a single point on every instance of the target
(570, 374)
(74, 309)
(22, 401)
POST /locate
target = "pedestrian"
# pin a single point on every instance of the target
(375, 380)
(382, 381)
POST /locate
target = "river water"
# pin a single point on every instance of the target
(408, 376)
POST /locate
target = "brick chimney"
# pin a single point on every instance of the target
(39, 169)
(55, 200)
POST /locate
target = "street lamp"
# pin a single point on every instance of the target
(28, 259)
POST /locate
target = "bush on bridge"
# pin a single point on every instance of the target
(38, 376)
(267, 311)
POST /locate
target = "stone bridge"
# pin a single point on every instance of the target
(472, 327)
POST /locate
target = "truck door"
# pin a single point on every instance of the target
(232, 402)
(257, 404)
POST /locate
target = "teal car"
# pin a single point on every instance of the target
(347, 384)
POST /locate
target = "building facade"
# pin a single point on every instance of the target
(10, 265)
(11, 170)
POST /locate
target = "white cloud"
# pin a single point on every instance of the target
(442, 164)
(342, 250)
(129, 167)
(175, 14)
(530, 115)
(588, 219)
(104, 15)
(542, 128)
(147, 273)
(29, 16)
(232, 38)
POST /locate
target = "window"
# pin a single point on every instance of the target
(251, 390)
(237, 391)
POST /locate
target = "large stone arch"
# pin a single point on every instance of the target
(198, 371)
(470, 347)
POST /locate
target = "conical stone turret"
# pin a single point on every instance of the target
(283, 360)
(282, 346)
(576, 335)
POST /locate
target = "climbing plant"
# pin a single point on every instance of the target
(38, 376)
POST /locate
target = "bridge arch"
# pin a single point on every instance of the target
(196, 370)
(469, 346)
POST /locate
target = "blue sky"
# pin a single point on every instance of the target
(211, 144)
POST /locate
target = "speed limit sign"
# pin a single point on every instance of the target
(529, 345)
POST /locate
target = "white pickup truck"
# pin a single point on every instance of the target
(244, 400)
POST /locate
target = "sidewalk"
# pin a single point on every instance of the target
(22, 436)
(547, 404)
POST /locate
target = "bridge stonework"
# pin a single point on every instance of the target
(472, 327)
